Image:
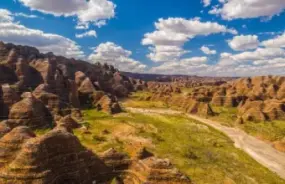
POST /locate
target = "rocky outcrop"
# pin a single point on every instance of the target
(11, 143)
(189, 104)
(69, 122)
(108, 104)
(30, 112)
(8, 97)
(45, 94)
(56, 157)
(153, 170)
(262, 110)
(63, 85)
(116, 160)
(145, 168)
(44, 91)
(257, 98)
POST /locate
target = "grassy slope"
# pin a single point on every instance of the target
(204, 154)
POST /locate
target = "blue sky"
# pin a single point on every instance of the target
(207, 37)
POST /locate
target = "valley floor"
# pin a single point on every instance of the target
(261, 151)
(206, 155)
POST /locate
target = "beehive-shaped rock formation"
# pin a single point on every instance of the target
(56, 157)
(30, 112)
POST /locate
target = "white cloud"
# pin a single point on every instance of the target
(93, 11)
(100, 23)
(171, 34)
(5, 16)
(166, 53)
(194, 61)
(243, 9)
(190, 66)
(258, 54)
(262, 61)
(276, 42)
(16, 33)
(244, 42)
(208, 51)
(91, 33)
(25, 15)
(82, 25)
(117, 56)
(206, 2)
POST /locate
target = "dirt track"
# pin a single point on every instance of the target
(261, 151)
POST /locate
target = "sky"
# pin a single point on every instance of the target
(191, 37)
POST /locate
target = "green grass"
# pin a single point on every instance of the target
(40, 132)
(98, 122)
(136, 100)
(204, 154)
(226, 115)
(269, 130)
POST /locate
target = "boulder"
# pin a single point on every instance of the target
(108, 104)
(69, 122)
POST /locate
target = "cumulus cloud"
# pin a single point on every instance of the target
(262, 61)
(243, 9)
(208, 51)
(244, 42)
(91, 11)
(16, 33)
(206, 2)
(276, 42)
(258, 54)
(171, 34)
(91, 33)
(117, 56)
(5, 16)
(190, 66)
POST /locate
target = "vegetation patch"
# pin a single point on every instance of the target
(268, 130)
(204, 154)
